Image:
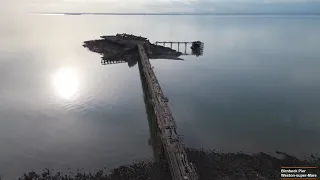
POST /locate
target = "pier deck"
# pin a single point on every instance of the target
(180, 167)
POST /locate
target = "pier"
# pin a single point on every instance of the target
(179, 166)
(196, 46)
(166, 144)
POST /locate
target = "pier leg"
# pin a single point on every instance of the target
(171, 45)
(178, 46)
(164, 44)
(185, 48)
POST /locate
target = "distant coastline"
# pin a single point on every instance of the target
(182, 14)
(72, 14)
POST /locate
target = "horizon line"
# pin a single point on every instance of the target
(174, 13)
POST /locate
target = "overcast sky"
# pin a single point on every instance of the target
(229, 6)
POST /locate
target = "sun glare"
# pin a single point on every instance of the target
(66, 82)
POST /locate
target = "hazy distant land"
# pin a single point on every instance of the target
(182, 13)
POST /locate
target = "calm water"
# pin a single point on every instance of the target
(257, 88)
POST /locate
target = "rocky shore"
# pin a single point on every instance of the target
(211, 165)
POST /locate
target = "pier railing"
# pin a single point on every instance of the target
(196, 46)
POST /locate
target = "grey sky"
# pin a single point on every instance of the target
(229, 6)
(178, 5)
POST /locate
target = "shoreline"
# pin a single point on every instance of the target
(210, 164)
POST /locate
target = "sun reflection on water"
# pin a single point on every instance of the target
(66, 82)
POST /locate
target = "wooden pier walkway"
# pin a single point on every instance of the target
(180, 167)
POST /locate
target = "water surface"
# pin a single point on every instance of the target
(257, 88)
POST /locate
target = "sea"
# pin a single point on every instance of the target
(255, 89)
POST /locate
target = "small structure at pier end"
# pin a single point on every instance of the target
(166, 143)
(122, 48)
